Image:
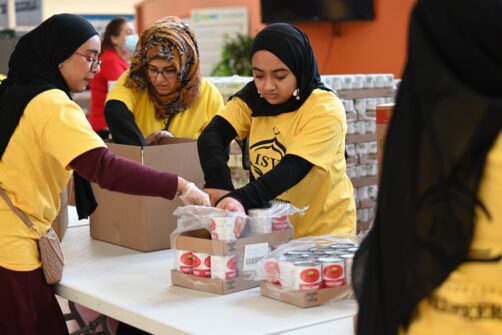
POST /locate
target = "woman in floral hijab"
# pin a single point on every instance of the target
(163, 93)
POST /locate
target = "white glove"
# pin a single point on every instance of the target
(191, 195)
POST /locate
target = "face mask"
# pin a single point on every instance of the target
(130, 42)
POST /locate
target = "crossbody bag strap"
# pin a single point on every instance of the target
(23, 216)
(16, 210)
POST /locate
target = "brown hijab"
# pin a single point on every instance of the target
(171, 39)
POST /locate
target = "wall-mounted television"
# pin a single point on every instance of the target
(316, 10)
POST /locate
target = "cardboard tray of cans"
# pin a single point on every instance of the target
(305, 298)
(199, 241)
(211, 285)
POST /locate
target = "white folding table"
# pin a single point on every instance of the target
(135, 287)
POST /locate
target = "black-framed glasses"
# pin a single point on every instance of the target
(95, 62)
(167, 72)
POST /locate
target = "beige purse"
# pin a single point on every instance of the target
(51, 253)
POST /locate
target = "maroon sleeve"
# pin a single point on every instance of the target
(123, 175)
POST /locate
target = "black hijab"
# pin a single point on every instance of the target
(33, 69)
(447, 116)
(292, 47)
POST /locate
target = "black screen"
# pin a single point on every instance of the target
(315, 10)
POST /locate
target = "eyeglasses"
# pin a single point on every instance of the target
(93, 61)
(167, 73)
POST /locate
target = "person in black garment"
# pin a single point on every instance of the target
(431, 264)
(296, 129)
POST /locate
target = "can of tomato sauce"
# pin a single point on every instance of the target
(223, 267)
(201, 264)
(272, 272)
(280, 218)
(260, 221)
(348, 258)
(184, 261)
(307, 275)
(287, 270)
(333, 271)
(223, 228)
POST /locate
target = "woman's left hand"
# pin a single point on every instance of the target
(230, 204)
(156, 137)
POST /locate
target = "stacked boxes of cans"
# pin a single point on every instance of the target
(360, 95)
(219, 261)
(309, 276)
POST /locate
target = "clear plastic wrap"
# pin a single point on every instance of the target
(215, 250)
(311, 264)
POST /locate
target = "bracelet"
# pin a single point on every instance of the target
(223, 197)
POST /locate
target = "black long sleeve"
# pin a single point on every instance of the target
(257, 194)
(212, 146)
(122, 124)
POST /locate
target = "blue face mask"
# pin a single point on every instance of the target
(130, 42)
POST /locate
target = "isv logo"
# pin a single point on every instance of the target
(262, 149)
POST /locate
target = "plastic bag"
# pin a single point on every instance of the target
(310, 263)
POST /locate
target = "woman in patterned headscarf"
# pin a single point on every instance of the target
(163, 93)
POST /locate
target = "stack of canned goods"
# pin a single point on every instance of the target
(224, 228)
(266, 220)
(204, 265)
(312, 268)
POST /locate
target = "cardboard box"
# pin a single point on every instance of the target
(140, 222)
(305, 298)
(217, 286)
(383, 116)
(71, 192)
(200, 241)
(61, 223)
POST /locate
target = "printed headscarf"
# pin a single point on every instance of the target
(291, 45)
(171, 39)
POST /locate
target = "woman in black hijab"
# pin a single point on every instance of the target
(296, 129)
(44, 136)
(431, 263)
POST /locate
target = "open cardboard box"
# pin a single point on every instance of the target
(140, 222)
(305, 298)
(200, 241)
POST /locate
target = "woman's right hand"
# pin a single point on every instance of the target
(156, 137)
(215, 194)
(191, 194)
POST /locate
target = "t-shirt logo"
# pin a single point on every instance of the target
(263, 151)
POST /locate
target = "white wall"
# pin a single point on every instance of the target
(51, 7)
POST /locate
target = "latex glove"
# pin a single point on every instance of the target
(193, 196)
(233, 205)
(156, 137)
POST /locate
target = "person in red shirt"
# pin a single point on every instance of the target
(117, 45)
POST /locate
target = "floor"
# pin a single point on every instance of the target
(86, 314)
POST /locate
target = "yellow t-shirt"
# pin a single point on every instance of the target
(315, 132)
(470, 300)
(188, 124)
(34, 170)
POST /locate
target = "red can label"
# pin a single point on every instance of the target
(333, 271)
(201, 264)
(307, 276)
(272, 270)
(184, 261)
(223, 267)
